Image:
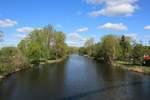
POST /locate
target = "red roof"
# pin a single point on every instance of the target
(147, 58)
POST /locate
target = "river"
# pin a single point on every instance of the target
(76, 78)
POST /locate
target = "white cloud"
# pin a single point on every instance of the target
(133, 36)
(83, 29)
(114, 7)
(75, 37)
(7, 23)
(113, 26)
(25, 29)
(147, 27)
(111, 2)
(124, 9)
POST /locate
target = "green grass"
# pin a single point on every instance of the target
(132, 67)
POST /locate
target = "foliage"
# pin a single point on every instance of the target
(111, 48)
(146, 50)
(11, 59)
(125, 47)
(110, 45)
(98, 51)
(82, 51)
(137, 53)
(41, 44)
(45, 44)
(88, 44)
(72, 49)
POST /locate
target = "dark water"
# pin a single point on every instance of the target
(76, 78)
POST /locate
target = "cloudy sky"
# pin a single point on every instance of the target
(79, 19)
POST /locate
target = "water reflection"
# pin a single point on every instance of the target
(76, 78)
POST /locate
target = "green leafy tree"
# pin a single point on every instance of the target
(111, 48)
(137, 53)
(146, 50)
(59, 44)
(11, 59)
(44, 44)
(98, 52)
(125, 47)
(82, 51)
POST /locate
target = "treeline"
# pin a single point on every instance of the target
(40, 45)
(112, 48)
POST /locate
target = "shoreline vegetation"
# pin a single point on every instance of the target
(53, 61)
(126, 66)
(5, 75)
(131, 67)
(44, 45)
(119, 52)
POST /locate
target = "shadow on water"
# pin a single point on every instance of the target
(78, 96)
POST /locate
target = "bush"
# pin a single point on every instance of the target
(11, 59)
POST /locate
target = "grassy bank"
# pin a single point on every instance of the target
(132, 67)
(7, 73)
(53, 61)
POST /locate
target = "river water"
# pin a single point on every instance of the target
(76, 78)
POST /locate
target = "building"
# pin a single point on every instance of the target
(146, 60)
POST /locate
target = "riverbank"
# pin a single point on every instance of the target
(7, 74)
(132, 67)
(53, 61)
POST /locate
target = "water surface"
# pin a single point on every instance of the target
(76, 78)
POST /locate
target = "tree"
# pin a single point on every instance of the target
(110, 46)
(125, 47)
(44, 44)
(146, 50)
(88, 44)
(11, 59)
(82, 51)
(137, 53)
(23, 46)
(98, 52)
(72, 50)
(59, 44)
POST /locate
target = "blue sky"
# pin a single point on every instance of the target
(79, 19)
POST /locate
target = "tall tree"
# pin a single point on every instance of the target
(88, 44)
(43, 44)
(110, 46)
(125, 47)
(59, 44)
(137, 53)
